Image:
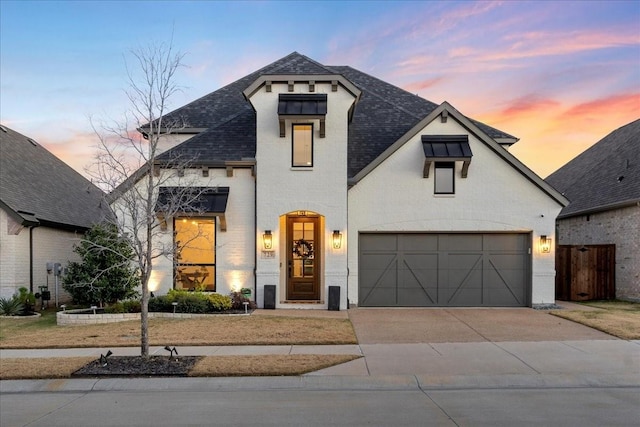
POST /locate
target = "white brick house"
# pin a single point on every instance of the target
(45, 207)
(332, 188)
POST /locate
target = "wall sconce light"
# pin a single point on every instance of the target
(545, 244)
(267, 241)
(337, 239)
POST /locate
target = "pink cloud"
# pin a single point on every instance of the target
(535, 44)
(423, 84)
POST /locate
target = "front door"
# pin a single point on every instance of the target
(303, 259)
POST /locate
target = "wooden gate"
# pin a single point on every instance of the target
(585, 272)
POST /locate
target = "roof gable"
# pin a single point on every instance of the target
(446, 108)
(382, 115)
(606, 175)
(38, 188)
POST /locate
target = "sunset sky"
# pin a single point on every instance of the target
(559, 75)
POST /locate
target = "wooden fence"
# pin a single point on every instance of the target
(585, 272)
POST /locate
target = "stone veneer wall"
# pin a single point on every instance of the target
(73, 317)
(620, 227)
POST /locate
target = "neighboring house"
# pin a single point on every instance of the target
(45, 206)
(603, 186)
(329, 184)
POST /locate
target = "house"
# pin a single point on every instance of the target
(326, 187)
(603, 186)
(45, 206)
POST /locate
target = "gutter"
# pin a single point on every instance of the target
(602, 208)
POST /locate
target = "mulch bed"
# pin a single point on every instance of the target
(137, 366)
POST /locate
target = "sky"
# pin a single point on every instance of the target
(559, 75)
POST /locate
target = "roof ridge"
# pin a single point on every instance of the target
(296, 55)
(370, 91)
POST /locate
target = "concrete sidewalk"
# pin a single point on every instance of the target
(518, 364)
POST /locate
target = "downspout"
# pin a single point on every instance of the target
(31, 259)
(255, 235)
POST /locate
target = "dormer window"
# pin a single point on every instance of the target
(302, 106)
(302, 145)
(446, 149)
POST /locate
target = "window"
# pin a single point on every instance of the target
(444, 182)
(302, 146)
(195, 240)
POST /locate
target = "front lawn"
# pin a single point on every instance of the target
(43, 332)
(211, 366)
(617, 318)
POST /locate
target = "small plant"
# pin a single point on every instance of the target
(219, 302)
(27, 299)
(238, 300)
(10, 306)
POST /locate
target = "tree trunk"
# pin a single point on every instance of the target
(144, 318)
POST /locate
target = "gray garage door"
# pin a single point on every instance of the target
(444, 270)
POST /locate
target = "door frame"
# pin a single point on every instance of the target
(291, 293)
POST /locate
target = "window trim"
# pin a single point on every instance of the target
(444, 165)
(293, 165)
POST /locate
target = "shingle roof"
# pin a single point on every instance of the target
(383, 114)
(607, 175)
(37, 187)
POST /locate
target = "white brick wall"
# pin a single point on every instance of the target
(493, 198)
(620, 227)
(49, 245)
(235, 248)
(282, 190)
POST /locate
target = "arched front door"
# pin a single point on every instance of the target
(303, 258)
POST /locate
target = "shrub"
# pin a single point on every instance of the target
(105, 274)
(10, 306)
(128, 306)
(188, 301)
(237, 300)
(160, 304)
(218, 302)
(193, 303)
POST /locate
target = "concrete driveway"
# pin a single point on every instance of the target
(442, 325)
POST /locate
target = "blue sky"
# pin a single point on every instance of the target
(559, 75)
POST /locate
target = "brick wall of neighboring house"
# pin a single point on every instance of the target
(620, 227)
(49, 245)
(56, 246)
(14, 256)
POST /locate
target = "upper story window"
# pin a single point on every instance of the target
(444, 151)
(302, 145)
(444, 178)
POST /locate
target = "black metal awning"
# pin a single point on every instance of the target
(194, 201)
(302, 106)
(446, 148)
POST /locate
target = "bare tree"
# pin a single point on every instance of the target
(145, 191)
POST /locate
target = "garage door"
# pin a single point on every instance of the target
(444, 270)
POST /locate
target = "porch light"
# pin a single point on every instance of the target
(545, 244)
(337, 239)
(267, 241)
